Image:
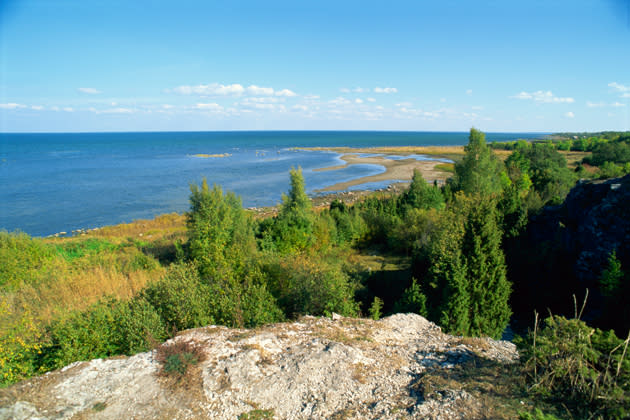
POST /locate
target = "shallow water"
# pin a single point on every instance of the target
(61, 182)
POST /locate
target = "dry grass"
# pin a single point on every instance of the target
(498, 388)
(157, 228)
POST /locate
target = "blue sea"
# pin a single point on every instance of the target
(58, 182)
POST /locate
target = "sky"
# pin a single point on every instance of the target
(500, 66)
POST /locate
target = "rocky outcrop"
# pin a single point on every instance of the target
(315, 368)
(597, 222)
(593, 221)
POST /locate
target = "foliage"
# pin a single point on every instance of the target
(468, 291)
(537, 415)
(306, 286)
(293, 228)
(585, 368)
(479, 171)
(19, 344)
(412, 300)
(376, 308)
(219, 233)
(178, 356)
(180, 298)
(81, 335)
(22, 259)
(420, 195)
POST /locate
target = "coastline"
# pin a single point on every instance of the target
(395, 169)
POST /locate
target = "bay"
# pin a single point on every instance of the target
(53, 182)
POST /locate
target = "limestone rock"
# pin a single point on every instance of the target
(314, 368)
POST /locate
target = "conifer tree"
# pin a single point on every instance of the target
(421, 195)
(468, 268)
(486, 271)
(480, 170)
(293, 228)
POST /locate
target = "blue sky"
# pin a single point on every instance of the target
(445, 65)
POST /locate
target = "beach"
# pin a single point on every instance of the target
(435, 168)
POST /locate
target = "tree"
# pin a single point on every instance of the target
(293, 228)
(220, 236)
(422, 196)
(469, 290)
(479, 171)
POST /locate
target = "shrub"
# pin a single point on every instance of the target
(177, 357)
(180, 298)
(138, 326)
(588, 369)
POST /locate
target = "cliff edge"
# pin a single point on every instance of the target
(314, 368)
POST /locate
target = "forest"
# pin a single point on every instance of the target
(476, 255)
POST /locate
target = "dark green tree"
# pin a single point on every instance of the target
(470, 291)
(486, 271)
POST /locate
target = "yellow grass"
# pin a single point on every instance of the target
(160, 227)
(71, 290)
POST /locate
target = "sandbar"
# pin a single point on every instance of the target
(395, 170)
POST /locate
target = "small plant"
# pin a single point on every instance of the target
(256, 414)
(176, 358)
(375, 309)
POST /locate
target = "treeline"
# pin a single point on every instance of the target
(610, 151)
(463, 243)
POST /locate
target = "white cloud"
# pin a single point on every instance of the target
(286, 92)
(619, 87)
(257, 90)
(311, 97)
(209, 107)
(360, 90)
(371, 100)
(54, 108)
(404, 104)
(477, 107)
(213, 89)
(339, 101)
(626, 95)
(167, 106)
(569, 114)
(380, 108)
(37, 107)
(89, 91)
(542, 96)
(603, 104)
(358, 101)
(117, 111)
(385, 90)
(469, 92)
(261, 100)
(12, 105)
(68, 109)
(344, 90)
(300, 108)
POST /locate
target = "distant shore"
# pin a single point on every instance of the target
(395, 170)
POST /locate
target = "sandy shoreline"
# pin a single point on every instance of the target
(395, 170)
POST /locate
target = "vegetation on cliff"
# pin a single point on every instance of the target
(454, 254)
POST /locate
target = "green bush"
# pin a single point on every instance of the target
(138, 326)
(22, 259)
(180, 298)
(586, 369)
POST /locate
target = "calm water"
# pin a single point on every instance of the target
(60, 182)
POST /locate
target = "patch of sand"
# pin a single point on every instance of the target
(394, 169)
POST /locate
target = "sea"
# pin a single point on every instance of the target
(63, 182)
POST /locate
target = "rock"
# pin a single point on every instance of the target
(314, 368)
